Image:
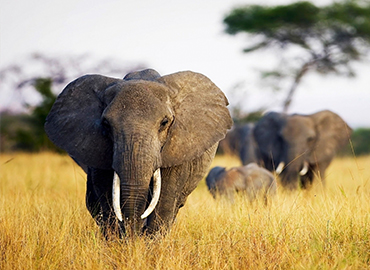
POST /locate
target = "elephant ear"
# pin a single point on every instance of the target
(74, 121)
(201, 117)
(267, 134)
(333, 133)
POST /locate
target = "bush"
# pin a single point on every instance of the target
(25, 132)
(361, 141)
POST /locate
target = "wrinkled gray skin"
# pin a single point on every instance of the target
(296, 139)
(251, 180)
(133, 127)
(239, 141)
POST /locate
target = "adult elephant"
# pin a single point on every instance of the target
(144, 141)
(300, 145)
(239, 141)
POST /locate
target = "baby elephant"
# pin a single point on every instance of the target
(251, 179)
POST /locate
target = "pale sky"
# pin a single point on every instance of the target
(171, 36)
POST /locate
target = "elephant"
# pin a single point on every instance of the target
(250, 179)
(300, 147)
(239, 141)
(144, 141)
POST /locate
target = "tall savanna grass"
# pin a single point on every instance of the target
(44, 224)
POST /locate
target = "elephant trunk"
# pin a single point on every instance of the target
(292, 170)
(133, 204)
(134, 171)
(117, 195)
(129, 202)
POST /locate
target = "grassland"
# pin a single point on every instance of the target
(44, 224)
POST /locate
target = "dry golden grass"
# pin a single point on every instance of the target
(44, 224)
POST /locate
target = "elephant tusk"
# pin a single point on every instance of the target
(156, 193)
(116, 196)
(280, 167)
(304, 169)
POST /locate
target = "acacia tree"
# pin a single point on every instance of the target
(328, 38)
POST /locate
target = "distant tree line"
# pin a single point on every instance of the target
(25, 132)
(361, 141)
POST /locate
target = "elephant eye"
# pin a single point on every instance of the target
(105, 122)
(164, 123)
(310, 139)
(106, 126)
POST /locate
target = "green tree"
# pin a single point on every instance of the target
(40, 112)
(240, 117)
(328, 38)
(361, 141)
(32, 136)
(10, 130)
(25, 132)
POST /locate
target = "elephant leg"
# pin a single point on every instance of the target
(173, 197)
(99, 199)
(178, 183)
(166, 210)
(268, 163)
(92, 200)
(321, 169)
(289, 179)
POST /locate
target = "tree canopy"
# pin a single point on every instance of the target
(329, 38)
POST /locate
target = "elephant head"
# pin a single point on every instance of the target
(138, 136)
(239, 141)
(300, 144)
(213, 177)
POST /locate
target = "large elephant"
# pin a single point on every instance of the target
(251, 180)
(144, 141)
(300, 146)
(239, 141)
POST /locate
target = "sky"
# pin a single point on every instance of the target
(172, 36)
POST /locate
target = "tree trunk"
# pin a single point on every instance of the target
(293, 88)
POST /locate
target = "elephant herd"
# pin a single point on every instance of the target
(146, 141)
(299, 148)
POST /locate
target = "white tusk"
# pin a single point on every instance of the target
(304, 169)
(116, 196)
(280, 167)
(156, 193)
